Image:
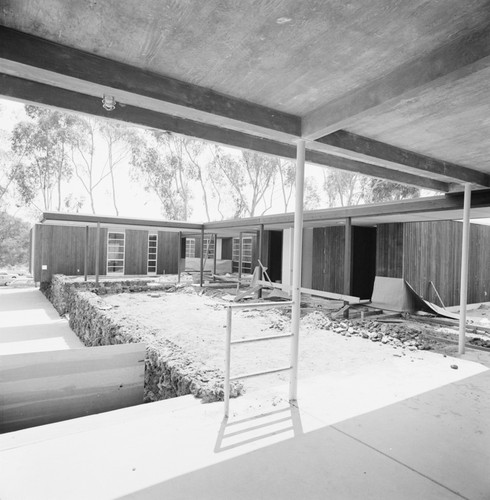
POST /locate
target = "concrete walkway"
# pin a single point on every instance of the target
(29, 323)
(407, 428)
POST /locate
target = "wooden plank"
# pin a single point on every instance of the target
(449, 63)
(318, 293)
(43, 387)
(366, 149)
(65, 67)
(39, 93)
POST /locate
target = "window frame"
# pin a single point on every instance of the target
(148, 260)
(123, 259)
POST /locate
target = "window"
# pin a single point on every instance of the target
(152, 253)
(115, 253)
(246, 254)
(190, 247)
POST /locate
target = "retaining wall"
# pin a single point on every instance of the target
(169, 371)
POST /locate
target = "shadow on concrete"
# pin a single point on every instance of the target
(432, 446)
(236, 433)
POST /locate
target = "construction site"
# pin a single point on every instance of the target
(336, 353)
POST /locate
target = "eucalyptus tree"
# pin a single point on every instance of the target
(160, 161)
(42, 146)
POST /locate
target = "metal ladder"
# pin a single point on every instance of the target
(229, 343)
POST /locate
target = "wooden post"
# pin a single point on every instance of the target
(464, 267)
(97, 254)
(296, 288)
(179, 256)
(348, 256)
(201, 277)
(240, 256)
(85, 256)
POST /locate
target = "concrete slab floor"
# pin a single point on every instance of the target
(398, 430)
(29, 323)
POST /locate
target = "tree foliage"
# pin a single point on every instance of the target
(14, 240)
(381, 191)
(42, 146)
(346, 189)
(166, 171)
(251, 176)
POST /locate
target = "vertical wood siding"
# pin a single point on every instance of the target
(136, 252)
(92, 240)
(328, 259)
(433, 253)
(62, 250)
(168, 252)
(389, 255)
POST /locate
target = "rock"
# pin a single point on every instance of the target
(454, 367)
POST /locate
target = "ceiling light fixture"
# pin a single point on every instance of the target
(108, 102)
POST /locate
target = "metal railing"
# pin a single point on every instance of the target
(229, 343)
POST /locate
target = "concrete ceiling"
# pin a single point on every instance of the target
(413, 76)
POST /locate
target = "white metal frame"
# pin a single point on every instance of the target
(297, 248)
(229, 343)
(155, 259)
(464, 268)
(109, 232)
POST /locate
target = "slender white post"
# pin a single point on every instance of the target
(227, 362)
(464, 267)
(97, 253)
(297, 247)
(179, 256)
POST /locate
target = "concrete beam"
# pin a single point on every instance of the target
(361, 148)
(451, 62)
(40, 60)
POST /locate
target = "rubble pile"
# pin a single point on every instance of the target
(394, 334)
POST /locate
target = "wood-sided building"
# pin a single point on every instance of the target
(74, 244)
(344, 249)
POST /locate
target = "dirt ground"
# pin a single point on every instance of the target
(197, 323)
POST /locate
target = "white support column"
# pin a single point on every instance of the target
(97, 253)
(464, 267)
(296, 289)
